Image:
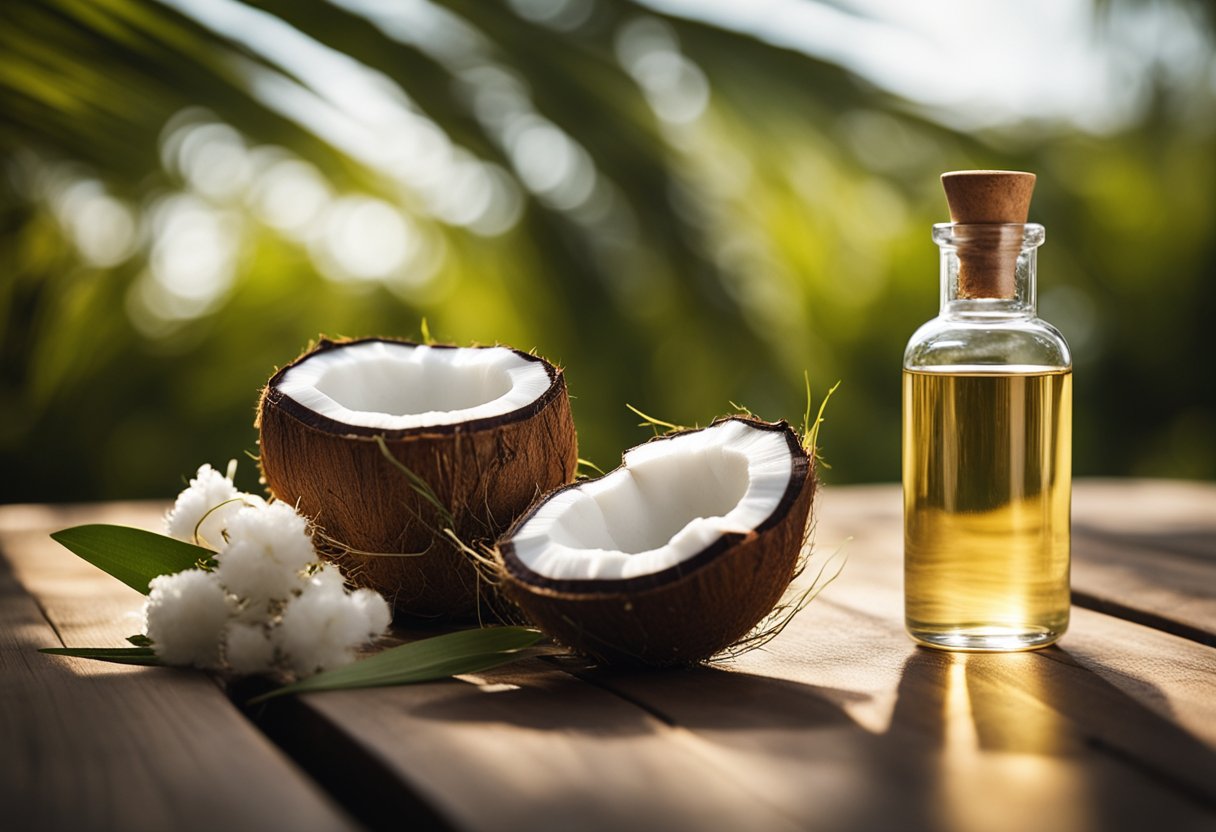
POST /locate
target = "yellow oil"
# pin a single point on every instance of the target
(987, 462)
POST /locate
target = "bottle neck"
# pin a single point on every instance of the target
(988, 271)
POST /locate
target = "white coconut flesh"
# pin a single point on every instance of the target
(668, 502)
(394, 386)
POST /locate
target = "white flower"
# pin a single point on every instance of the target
(206, 505)
(258, 611)
(322, 627)
(329, 578)
(375, 615)
(248, 612)
(367, 614)
(185, 614)
(268, 546)
(248, 648)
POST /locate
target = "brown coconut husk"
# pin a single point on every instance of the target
(687, 613)
(382, 500)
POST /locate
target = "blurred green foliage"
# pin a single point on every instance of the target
(681, 216)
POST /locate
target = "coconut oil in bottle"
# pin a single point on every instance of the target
(987, 414)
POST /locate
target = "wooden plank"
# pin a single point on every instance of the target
(856, 733)
(88, 745)
(864, 522)
(528, 747)
(843, 723)
(521, 748)
(1145, 550)
(953, 731)
(840, 723)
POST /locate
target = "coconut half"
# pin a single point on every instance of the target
(673, 556)
(481, 430)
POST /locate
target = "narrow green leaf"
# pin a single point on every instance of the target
(118, 655)
(586, 463)
(806, 416)
(467, 651)
(810, 438)
(134, 556)
(652, 422)
(420, 486)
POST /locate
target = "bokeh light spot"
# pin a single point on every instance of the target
(101, 227)
(363, 239)
(289, 195)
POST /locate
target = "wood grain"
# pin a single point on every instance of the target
(1146, 551)
(521, 748)
(864, 523)
(1143, 550)
(89, 745)
(839, 723)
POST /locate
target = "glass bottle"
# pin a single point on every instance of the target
(987, 445)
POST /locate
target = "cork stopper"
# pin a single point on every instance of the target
(988, 208)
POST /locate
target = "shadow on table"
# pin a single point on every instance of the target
(1023, 737)
(532, 694)
(1196, 541)
(974, 741)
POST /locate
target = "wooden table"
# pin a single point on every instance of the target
(840, 723)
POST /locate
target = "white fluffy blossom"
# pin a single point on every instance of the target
(248, 648)
(185, 616)
(268, 546)
(261, 610)
(329, 578)
(202, 510)
(324, 625)
(375, 612)
(367, 615)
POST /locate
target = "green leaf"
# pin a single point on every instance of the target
(810, 436)
(140, 640)
(439, 657)
(652, 422)
(586, 463)
(420, 486)
(118, 655)
(134, 556)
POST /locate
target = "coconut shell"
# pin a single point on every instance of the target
(684, 614)
(485, 472)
